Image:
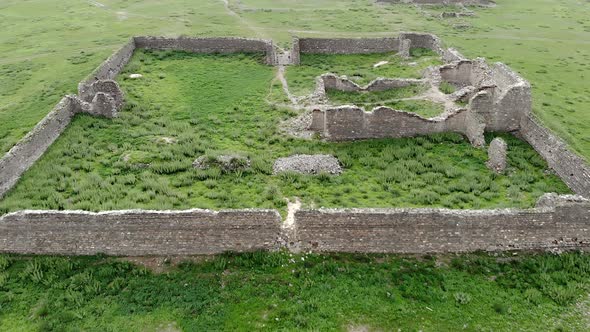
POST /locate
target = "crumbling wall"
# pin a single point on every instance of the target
(423, 40)
(87, 92)
(30, 148)
(570, 167)
(112, 66)
(440, 230)
(209, 45)
(352, 123)
(332, 81)
(136, 233)
(508, 96)
(513, 100)
(451, 55)
(295, 51)
(485, 3)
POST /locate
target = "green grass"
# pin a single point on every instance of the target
(370, 100)
(447, 88)
(357, 67)
(365, 97)
(280, 291)
(213, 105)
(424, 108)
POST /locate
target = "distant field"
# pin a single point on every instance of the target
(48, 47)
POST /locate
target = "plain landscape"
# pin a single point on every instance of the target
(211, 106)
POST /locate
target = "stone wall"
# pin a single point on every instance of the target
(513, 100)
(31, 147)
(348, 45)
(353, 123)
(209, 45)
(559, 222)
(439, 230)
(570, 167)
(485, 3)
(332, 81)
(112, 66)
(369, 45)
(423, 40)
(137, 233)
(503, 97)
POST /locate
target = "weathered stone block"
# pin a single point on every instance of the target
(497, 160)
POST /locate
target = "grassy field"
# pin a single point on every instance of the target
(279, 291)
(46, 49)
(143, 159)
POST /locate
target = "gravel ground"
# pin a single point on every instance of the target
(308, 164)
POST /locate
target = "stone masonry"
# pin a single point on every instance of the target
(139, 233)
(560, 222)
(566, 226)
(497, 155)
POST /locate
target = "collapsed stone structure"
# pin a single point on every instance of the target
(498, 100)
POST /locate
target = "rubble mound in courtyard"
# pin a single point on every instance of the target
(308, 164)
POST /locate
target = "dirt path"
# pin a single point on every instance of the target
(283, 80)
(258, 31)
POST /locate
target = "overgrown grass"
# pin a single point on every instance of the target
(424, 108)
(280, 291)
(370, 100)
(358, 67)
(188, 105)
(365, 97)
(447, 88)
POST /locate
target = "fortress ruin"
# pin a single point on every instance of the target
(488, 98)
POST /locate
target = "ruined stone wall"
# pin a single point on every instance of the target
(112, 66)
(513, 99)
(209, 45)
(348, 45)
(352, 123)
(31, 147)
(332, 81)
(508, 95)
(570, 167)
(137, 233)
(423, 40)
(439, 230)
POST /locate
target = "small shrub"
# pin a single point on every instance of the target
(462, 298)
(533, 296)
(500, 308)
(4, 262)
(447, 88)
